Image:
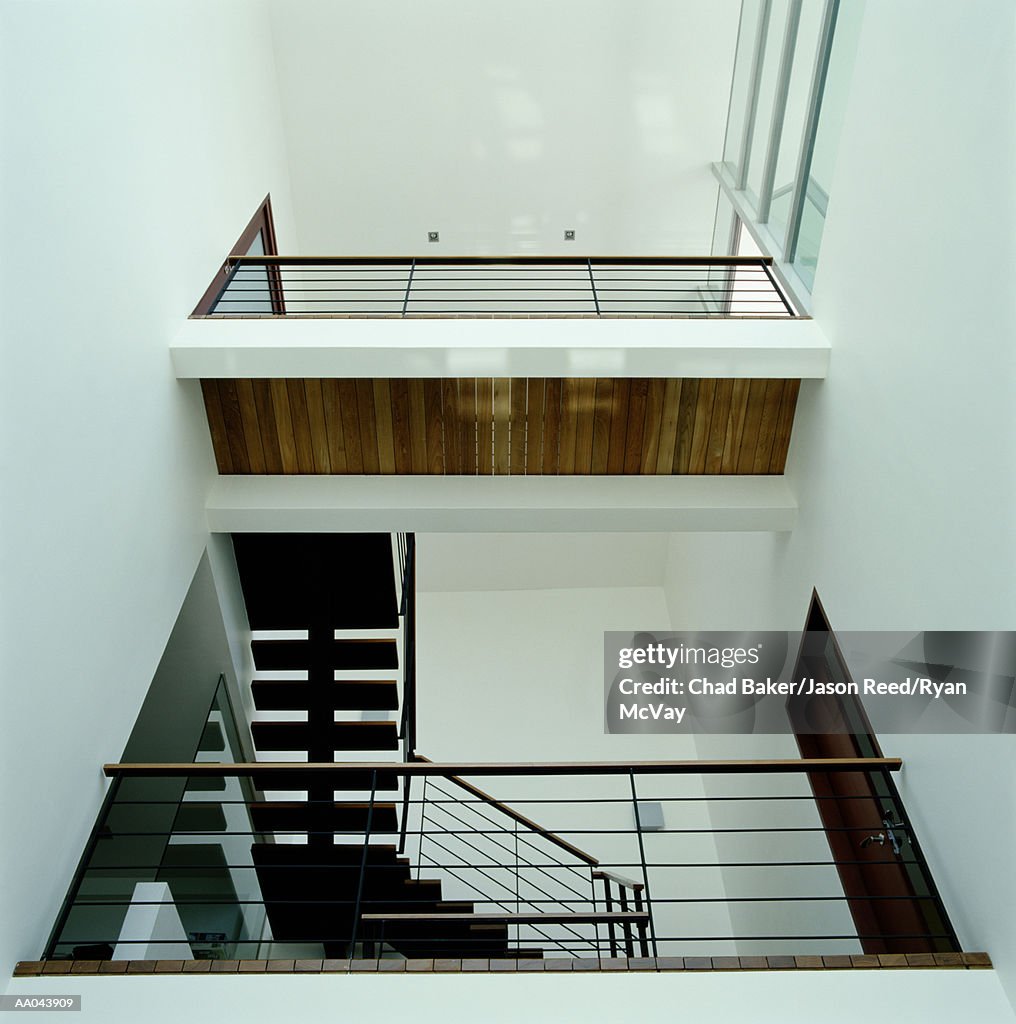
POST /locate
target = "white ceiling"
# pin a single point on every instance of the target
(501, 125)
(539, 561)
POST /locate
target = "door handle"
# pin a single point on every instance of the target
(890, 824)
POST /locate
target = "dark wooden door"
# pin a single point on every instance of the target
(890, 892)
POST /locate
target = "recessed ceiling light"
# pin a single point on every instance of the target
(569, 235)
(433, 236)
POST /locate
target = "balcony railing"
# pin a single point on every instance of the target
(652, 858)
(498, 286)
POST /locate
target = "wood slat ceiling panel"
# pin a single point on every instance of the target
(501, 426)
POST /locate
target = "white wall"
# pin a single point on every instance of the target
(774, 997)
(502, 125)
(138, 140)
(517, 676)
(539, 561)
(902, 460)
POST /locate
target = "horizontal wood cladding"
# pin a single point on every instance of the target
(501, 426)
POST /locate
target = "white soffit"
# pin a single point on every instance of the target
(294, 347)
(449, 504)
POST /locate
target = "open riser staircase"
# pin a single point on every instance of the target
(309, 862)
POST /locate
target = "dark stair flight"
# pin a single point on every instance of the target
(323, 583)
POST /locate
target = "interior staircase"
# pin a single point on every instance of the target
(309, 861)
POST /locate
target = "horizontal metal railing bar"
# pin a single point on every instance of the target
(303, 275)
(497, 311)
(580, 283)
(488, 832)
(587, 917)
(480, 768)
(127, 902)
(662, 865)
(319, 940)
(416, 291)
(482, 314)
(516, 305)
(519, 800)
(430, 261)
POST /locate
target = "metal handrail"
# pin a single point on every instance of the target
(796, 766)
(467, 862)
(414, 290)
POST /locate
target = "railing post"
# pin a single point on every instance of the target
(629, 949)
(609, 906)
(409, 285)
(406, 783)
(776, 288)
(363, 864)
(518, 905)
(423, 826)
(642, 856)
(643, 941)
(592, 903)
(409, 652)
(592, 286)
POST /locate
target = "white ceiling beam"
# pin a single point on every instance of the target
(448, 504)
(295, 347)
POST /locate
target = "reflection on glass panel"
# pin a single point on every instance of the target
(725, 228)
(827, 137)
(182, 845)
(798, 94)
(751, 291)
(740, 87)
(771, 58)
(249, 291)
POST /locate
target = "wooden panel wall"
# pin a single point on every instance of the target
(501, 426)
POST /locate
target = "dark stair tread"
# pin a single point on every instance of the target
(359, 781)
(315, 874)
(337, 855)
(301, 816)
(335, 735)
(278, 655)
(454, 907)
(342, 695)
(289, 580)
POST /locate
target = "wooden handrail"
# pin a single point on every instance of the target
(667, 261)
(256, 768)
(587, 858)
(625, 883)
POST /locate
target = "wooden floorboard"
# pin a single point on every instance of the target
(502, 426)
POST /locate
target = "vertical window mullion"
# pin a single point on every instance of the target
(811, 120)
(779, 110)
(756, 80)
